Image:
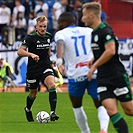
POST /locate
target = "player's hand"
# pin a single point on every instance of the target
(90, 73)
(35, 57)
(61, 69)
(90, 63)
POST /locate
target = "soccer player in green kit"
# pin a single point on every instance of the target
(113, 82)
(39, 66)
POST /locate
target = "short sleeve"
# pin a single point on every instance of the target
(108, 36)
(57, 5)
(45, 6)
(26, 42)
(36, 8)
(58, 36)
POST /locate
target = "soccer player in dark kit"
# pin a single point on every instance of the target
(39, 66)
(113, 82)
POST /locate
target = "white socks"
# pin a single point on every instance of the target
(81, 119)
(103, 118)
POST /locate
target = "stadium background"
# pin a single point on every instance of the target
(119, 16)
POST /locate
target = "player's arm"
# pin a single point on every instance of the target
(90, 62)
(60, 52)
(53, 11)
(109, 52)
(22, 52)
(49, 52)
(60, 49)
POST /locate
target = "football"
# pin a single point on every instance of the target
(43, 117)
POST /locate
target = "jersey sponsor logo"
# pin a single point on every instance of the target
(121, 91)
(42, 46)
(81, 64)
(101, 89)
(31, 81)
(79, 79)
(95, 46)
(48, 70)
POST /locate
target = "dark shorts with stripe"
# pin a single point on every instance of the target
(33, 79)
(118, 88)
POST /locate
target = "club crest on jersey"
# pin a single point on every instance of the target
(48, 40)
(96, 38)
(108, 37)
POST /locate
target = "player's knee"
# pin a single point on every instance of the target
(111, 111)
(33, 93)
(129, 111)
(96, 103)
(51, 85)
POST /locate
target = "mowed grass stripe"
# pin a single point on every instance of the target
(12, 116)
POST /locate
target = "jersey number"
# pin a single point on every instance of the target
(76, 43)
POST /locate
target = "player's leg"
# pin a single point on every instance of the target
(117, 120)
(128, 107)
(102, 112)
(103, 116)
(50, 83)
(126, 97)
(32, 85)
(109, 94)
(76, 92)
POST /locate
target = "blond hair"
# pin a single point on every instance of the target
(94, 7)
(41, 19)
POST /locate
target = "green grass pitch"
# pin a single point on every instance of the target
(12, 116)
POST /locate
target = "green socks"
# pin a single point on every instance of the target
(119, 123)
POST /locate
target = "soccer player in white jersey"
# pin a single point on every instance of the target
(73, 45)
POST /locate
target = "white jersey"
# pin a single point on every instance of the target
(40, 10)
(77, 51)
(4, 15)
(20, 8)
(59, 8)
(31, 24)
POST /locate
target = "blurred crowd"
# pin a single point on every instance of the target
(21, 14)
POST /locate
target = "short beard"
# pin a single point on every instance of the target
(39, 33)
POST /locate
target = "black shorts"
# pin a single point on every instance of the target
(118, 88)
(33, 79)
